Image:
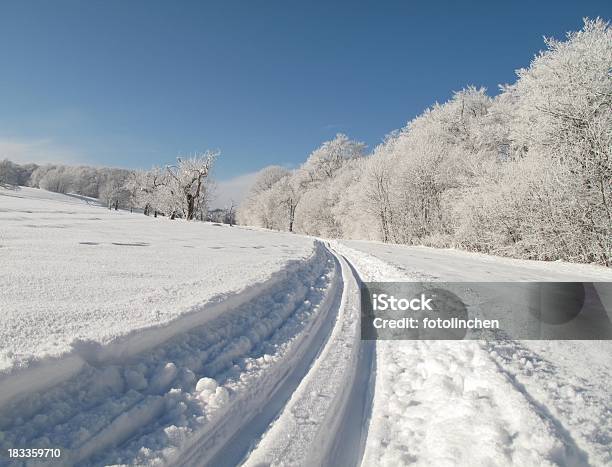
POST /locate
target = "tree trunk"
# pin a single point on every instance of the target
(190, 206)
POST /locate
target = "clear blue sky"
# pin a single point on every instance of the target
(135, 83)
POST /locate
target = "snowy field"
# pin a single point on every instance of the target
(82, 286)
(73, 270)
(129, 340)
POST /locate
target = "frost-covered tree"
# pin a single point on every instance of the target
(287, 192)
(377, 187)
(261, 207)
(275, 199)
(412, 172)
(549, 198)
(564, 108)
(147, 185)
(114, 194)
(324, 161)
(186, 185)
(12, 174)
(9, 175)
(267, 178)
(57, 179)
(87, 181)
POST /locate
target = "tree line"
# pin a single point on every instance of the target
(94, 182)
(181, 190)
(526, 173)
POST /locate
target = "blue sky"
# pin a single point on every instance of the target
(136, 83)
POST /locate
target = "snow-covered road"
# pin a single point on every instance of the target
(485, 403)
(461, 266)
(254, 358)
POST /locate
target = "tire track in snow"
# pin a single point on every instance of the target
(578, 408)
(350, 442)
(325, 422)
(234, 450)
(574, 455)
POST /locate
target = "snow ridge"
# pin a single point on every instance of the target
(36, 375)
(306, 432)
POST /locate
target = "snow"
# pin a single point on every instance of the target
(484, 402)
(76, 276)
(129, 340)
(447, 404)
(424, 263)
